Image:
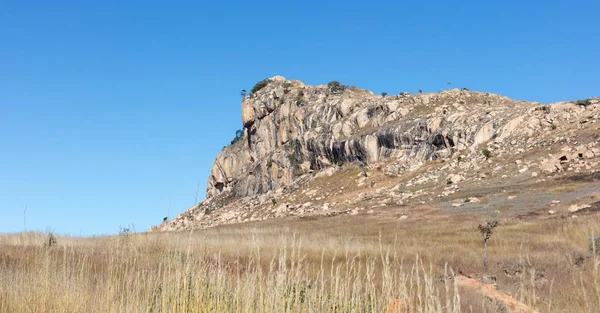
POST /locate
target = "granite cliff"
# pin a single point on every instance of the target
(294, 133)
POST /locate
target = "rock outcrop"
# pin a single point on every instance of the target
(295, 128)
(292, 130)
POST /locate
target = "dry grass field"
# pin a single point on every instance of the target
(337, 264)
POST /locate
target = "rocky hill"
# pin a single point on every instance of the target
(332, 149)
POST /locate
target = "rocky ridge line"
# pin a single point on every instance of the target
(295, 133)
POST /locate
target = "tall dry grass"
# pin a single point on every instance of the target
(330, 265)
(150, 273)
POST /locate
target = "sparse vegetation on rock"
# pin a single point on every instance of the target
(239, 135)
(293, 159)
(260, 85)
(335, 87)
(486, 153)
(583, 103)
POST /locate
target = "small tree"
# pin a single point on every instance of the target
(383, 94)
(486, 230)
(243, 93)
(420, 91)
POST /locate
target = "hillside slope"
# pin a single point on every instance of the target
(330, 150)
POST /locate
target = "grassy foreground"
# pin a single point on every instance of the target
(330, 265)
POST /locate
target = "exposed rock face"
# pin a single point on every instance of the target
(296, 128)
(247, 113)
(293, 132)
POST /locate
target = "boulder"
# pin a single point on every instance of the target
(550, 165)
(248, 114)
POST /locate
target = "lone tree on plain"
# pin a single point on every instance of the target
(486, 230)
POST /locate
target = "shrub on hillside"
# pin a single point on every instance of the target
(583, 103)
(239, 134)
(486, 153)
(335, 87)
(260, 85)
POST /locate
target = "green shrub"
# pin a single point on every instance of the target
(293, 159)
(300, 101)
(583, 103)
(239, 134)
(260, 85)
(449, 182)
(553, 127)
(270, 163)
(383, 94)
(335, 87)
(486, 153)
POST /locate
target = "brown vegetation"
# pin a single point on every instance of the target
(337, 264)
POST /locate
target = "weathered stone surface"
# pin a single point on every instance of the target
(247, 113)
(295, 128)
(294, 132)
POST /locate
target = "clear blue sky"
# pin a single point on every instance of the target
(109, 111)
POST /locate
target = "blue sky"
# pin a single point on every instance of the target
(109, 111)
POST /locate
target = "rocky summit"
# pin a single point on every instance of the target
(332, 149)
